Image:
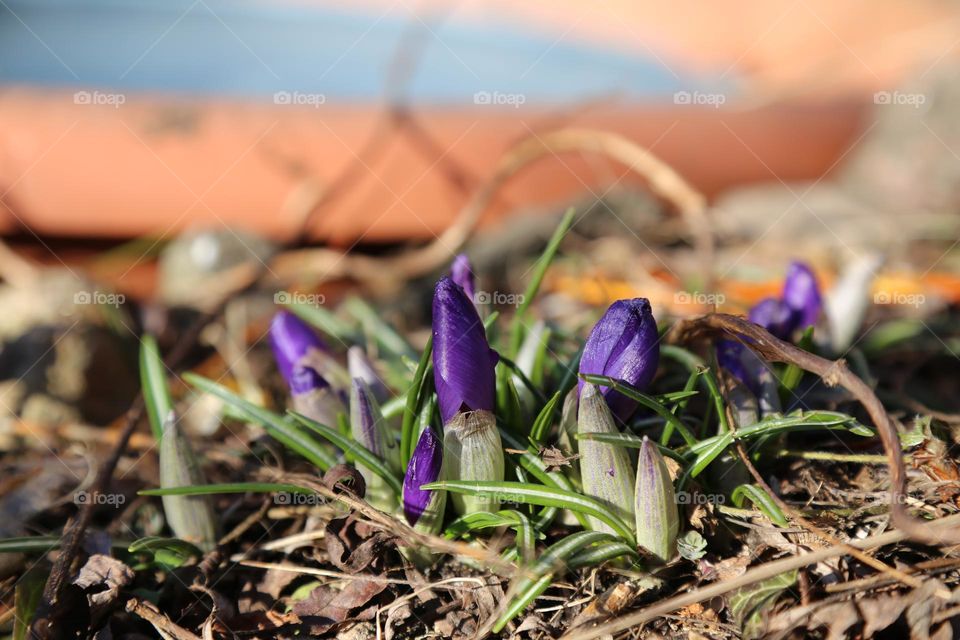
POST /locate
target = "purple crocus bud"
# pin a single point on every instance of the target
(623, 345)
(423, 508)
(463, 362)
(657, 515)
(461, 272)
(292, 341)
(369, 428)
(313, 397)
(750, 369)
(774, 316)
(802, 295)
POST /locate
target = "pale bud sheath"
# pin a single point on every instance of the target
(472, 450)
(190, 517)
(311, 396)
(369, 428)
(606, 472)
(657, 515)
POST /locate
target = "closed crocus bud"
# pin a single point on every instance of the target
(190, 517)
(751, 370)
(463, 362)
(657, 516)
(623, 345)
(605, 469)
(313, 397)
(802, 295)
(464, 377)
(423, 508)
(359, 366)
(292, 341)
(774, 316)
(369, 428)
(461, 272)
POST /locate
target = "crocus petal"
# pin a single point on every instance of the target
(774, 316)
(424, 467)
(624, 345)
(463, 362)
(461, 272)
(802, 295)
(291, 339)
(657, 515)
(305, 380)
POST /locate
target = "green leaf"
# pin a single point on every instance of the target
(526, 493)
(478, 521)
(415, 402)
(26, 597)
(540, 269)
(29, 544)
(760, 499)
(227, 487)
(710, 450)
(747, 605)
(352, 449)
(601, 553)
(542, 572)
(374, 325)
(153, 380)
(281, 430)
(170, 553)
(645, 400)
(544, 419)
(691, 545)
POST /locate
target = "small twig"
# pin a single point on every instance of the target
(833, 373)
(752, 576)
(166, 627)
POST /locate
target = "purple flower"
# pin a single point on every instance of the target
(623, 345)
(423, 468)
(461, 272)
(774, 316)
(463, 362)
(802, 295)
(292, 339)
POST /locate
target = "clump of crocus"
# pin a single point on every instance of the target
(368, 428)
(461, 272)
(465, 380)
(606, 472)
(423, 508)
(797, 308)
(657, 515)
(623, 345)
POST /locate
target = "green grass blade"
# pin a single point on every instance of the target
(543, 262)
(544, 419)
(541, 573)
(153, 380)
(526, 493)
(228, 487)
(760, 499)
(352, 449)
(645, 400)
(281, 430)
(414, 403)
(601, 553)
(478, 521)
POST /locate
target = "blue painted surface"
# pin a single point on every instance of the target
(254, 49)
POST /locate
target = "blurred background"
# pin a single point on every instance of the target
(148, 148)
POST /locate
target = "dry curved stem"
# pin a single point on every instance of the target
(663, 181)
(833, 373)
